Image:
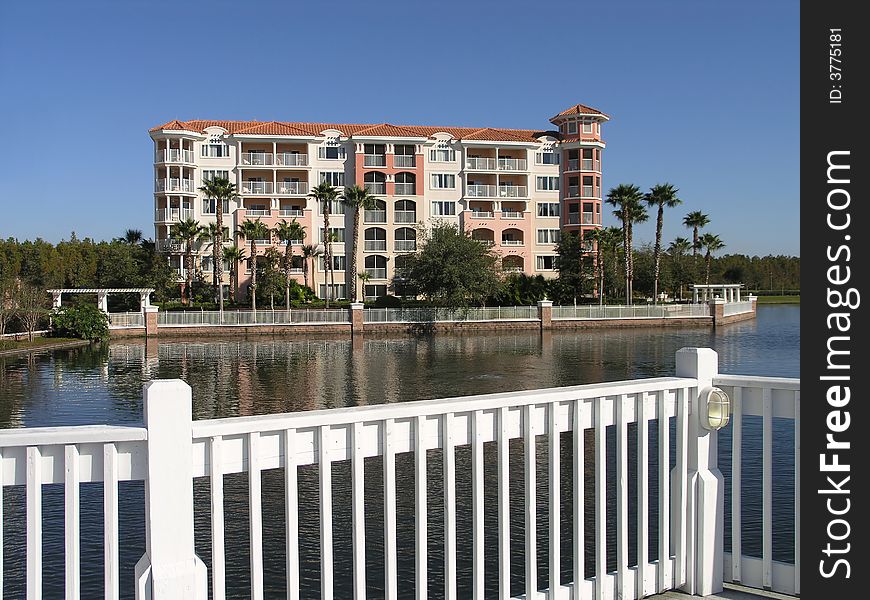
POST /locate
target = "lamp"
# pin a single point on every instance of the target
(715, 409)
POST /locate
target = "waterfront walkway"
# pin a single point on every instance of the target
(731, 592)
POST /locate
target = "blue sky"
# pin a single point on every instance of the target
(703, 95)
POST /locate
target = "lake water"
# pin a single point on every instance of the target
(270, 375)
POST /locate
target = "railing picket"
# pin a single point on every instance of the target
(1, 523)
(736, 482)
(621, 495)
(449, 462)
(504, 516)
(665, 571)
(110, 521)
(767, 488)
(579, 498)
(797, 493)
(325, 469)
(642, 494)
(421, 510)
(554, 477)
(358, 514)
(216, 477)
(477, 505)
(34, 523)
(679, 516)
(390, 549)
(72, 529)
(600, 501)
(256, 515)
(530, 506)
(291, 508)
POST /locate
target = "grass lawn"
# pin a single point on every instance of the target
(38, 342)
(779, 300)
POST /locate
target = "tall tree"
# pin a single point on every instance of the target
(309, 251)
(233, 255)
(219, 190)
(627, 200)
(660, 196)
(572, 265)
(356, 198)
(711, 243)
(289, 233)
(325, 194)
(678, 248)
(253, 231)
(133, 236)
(188, 232)
(696, 220)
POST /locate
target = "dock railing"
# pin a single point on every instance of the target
(673, 516)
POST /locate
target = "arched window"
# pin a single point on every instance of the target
(406, 239)
(483, 235)
(378, 214)
(406, 184)
(375, 182)
(376, 266)
(512, 264)
(512, 237)
(375, 239)
(406, 211)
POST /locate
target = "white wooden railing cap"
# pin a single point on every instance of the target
(356, 305)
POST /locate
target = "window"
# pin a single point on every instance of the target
(336, 232)
(375, 240)
(545, 263)
(443, 181)
(331, 152)
(548, 184)
(547, 158)
(339, 262)
(587, 180)
(587, 127)
(549, 209)
(206, 264)
(333, 178)
(209, 175)
(336, 207)
(376, 266)
(442, 155)
(339, 290)
(572, 126)
(443, 208)
(375, 291)
(587, 153)
(209, 206)
(215, 149)
(548, 236)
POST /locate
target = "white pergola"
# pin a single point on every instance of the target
(103, 295)
(729, 292)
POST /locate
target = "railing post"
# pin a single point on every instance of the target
(150, 316)
(717, 310)
(169, 570)
(705, 489)
(545, 313)
(356, 317)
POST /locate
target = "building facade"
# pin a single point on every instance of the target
(514, 189)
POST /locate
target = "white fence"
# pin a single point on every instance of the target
(248, 317)
(641, 311)
(736, 308)
(126, 320)
(641, 422)
(434, 315)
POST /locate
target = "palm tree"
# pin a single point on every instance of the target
(627, 198)
(234, 255)
(325, 193)
(218, 190)
(661, 196)
(207, 237)
(364, 277)
(357, 198)
(308, 251)
(187, 231)
(711, 243)
(596, 236)
(133, 236)
(696, 220)
(253, 231)
(288, 233)
(678, 248)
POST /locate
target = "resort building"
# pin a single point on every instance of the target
(516, 189)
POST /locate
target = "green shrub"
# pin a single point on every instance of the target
(388, 302)
(85, 321)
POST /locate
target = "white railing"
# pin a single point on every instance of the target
(289, 212)
(375, 245)
(375, 216)
(511, 214)
(505, 242)
(482, 214)
(405, 216)
(174, 155)
(404, 161)
(291, 159)
(257, 212)
(434, 315)
(376, 188)
(257, 158)
(640, 311)
(256, 187)
(374, 160)
(171, 215)
(168, 245)
(481, 191)
(513, 191)
(128, 319)
(292, 188)
(405, 189)
(175, 185)
(512, 164)
(736, 308)
(247, 317)
(405, 245)
(481, 164)
(757, 401)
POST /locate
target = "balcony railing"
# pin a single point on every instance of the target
(375, 216)
(588, 218)
(481, 191)
(406, 216)
(377, 273)
(484, 242)
(176, 185)
(292, 188)
(406, 245)
(588, 191)
(405, 189)
(290, 212)
(513, 191)
(573, 164)
(482, 214)
(401, 161)
(374, 160)
(257, 158)
(376, 188)
(511, 214)
(262, 242)
(375, 245)
(172, 215)
(169, 245)
(257, 212)
(512, 269)
(257, 187)
(291, 159)
(573, 191)
(505, 242)
(481, 164)
(512, 164)
(174, 155)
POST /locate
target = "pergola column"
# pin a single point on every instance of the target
(55, 299)
(102, 300)
(144, 300)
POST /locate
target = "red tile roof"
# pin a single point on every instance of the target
(387, 130)
(579, 109)
(272, 128)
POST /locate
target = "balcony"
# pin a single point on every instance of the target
(481, 191)
(506, 242)
(176, 185)
(512, 269)
(482, 214)
(406, 245)
(257, 212)
(374, 160)
(172, 215)
(511, 214)
(174, 156)
(404, 161)
(292, 188)
(291, 159)
(376, 188)
(573, 191)
(376, 273)
(262, 242)
(169, 245)
(258, 158)
(406, 216)
(481, 164)
(573, 164)
(289, 212)
(512, 164)
(375, 245)
(588, 218)
(256, 187)
(588, 191)
(513, 191)
(405, 189)
(375, 216)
